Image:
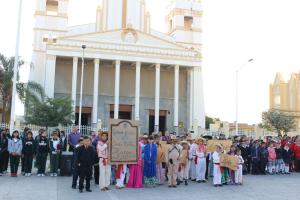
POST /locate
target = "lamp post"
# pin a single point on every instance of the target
(236, 121)
(13, 103)
(80, 99)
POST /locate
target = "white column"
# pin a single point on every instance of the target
(198, 97)
(137, 90)
(74, 82)
(50, 75)
(176, 91)
(157, 83)
(95, 97)
(117, 88)
(191, 98)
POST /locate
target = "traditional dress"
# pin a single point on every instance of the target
(149, 173)
(136, 173)
(231, 173)
(239, 172)
(200, 161)
(217, 169)
(104, 168)
(159, 172)
(193, 155)
(184, 169)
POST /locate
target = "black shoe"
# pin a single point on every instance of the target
(206, 178)
(80, 191)
(73, 187)
(199, 181)
(215, 185)
(193, 179)
(186, 183)
(178, 182)
(203, 181)
(220, 185)
(89, 190)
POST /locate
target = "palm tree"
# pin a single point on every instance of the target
(25, 91)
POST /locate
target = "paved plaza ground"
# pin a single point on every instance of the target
(59, 188)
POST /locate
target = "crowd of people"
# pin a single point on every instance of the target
(90, 154)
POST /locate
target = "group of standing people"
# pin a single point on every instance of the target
(27, 149)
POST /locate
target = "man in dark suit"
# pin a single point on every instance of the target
(85, 162)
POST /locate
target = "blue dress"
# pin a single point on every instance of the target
(149, 173)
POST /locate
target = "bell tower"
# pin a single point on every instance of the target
(184, 22)
(51, 18)
(117, 14)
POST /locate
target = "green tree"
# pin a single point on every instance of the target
(210, 120)
(25, 91)
(51, 112)
(279, 120)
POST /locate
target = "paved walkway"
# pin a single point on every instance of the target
(59, 188)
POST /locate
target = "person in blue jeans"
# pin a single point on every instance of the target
(76, 168)
(113, 174)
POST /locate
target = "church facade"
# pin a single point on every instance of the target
(131, 71)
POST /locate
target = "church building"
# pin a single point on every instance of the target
(131, 71)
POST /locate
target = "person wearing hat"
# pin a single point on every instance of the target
(173, 156)
(184, 168)
(217, 169)
(192, 158)
(105, 169)
(200, 160)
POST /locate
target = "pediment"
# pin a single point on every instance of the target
(126, 36)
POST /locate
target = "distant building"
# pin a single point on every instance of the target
(285, 95)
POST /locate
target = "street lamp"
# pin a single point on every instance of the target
(236, 121)
(80, 99)
(13, 99)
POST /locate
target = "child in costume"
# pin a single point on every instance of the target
(173, 156)
(217, 169)
(159, 170)
(231, 173)
(239, 172)
(184, 168)
(104, 168)
(193, 160)
(136, 173)
(149, 173)
(200, 160)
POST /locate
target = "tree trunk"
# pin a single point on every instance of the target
(3, 112)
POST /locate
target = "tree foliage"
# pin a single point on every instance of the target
(25, 91)
(210, 120)
(51, 112)
(279, 120)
